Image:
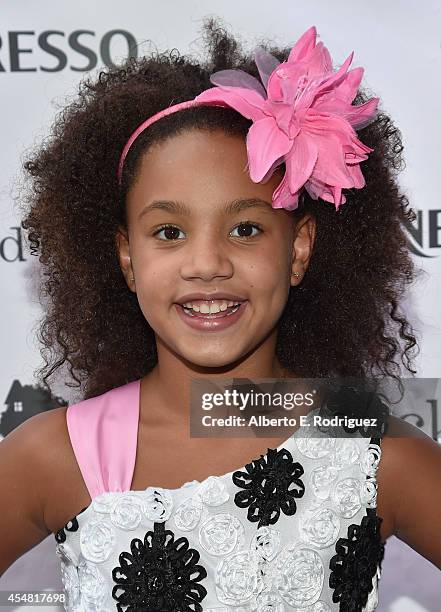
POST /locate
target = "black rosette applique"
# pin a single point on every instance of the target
(160, 574)
(71, 525)
(271, 484)
(356, 562)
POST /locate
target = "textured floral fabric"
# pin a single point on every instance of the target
(295, 529)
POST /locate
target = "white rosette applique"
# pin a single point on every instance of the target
(371, 460)
(315, 447)
(300, 576)
(372, 601)
(93, 587)
(319, 606)
(127, 511)
(268, 601)
(368, 493)
(238, 578)
(272, 602)
(103, 503)
(322, 477)
(369, 466)
(213, 491)
(97, 539)
(319, 526)
(266, 542)
(346, 452)
(158, 504)
(69, 577)
(221, 534)
(346, 497)
(67, 556)
(189, 513)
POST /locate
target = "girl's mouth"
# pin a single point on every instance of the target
(216, 321)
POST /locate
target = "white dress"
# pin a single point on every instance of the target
(296, 529)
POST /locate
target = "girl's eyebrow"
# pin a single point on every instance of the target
(179, 208)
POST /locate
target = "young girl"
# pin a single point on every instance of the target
(237, 227)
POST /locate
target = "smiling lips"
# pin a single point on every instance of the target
(210, 316)
(210, 307)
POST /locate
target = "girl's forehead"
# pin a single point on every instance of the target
(207, 147)
(198, 165)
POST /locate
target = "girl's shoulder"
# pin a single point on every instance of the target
(49, 442)
(58, 477)
(39, 476)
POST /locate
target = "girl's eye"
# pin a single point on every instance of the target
(171, 232)
(243, 228)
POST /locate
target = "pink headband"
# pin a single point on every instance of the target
(302, 116)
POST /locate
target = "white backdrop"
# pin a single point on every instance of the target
(399, 45)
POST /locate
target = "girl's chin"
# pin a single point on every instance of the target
(215, 359)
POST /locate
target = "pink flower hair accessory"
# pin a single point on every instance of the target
(302, 115)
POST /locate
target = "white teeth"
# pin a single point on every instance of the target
(208, 308)
(211, 308)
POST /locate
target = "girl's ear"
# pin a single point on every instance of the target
(304, 237)
(124, 258)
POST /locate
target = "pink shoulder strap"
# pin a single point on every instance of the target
(103, 432)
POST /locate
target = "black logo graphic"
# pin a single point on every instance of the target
(428, 224)
(23, 401)
(79, 50)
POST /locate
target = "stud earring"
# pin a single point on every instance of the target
(296, 274)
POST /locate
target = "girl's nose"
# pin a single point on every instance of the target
(206, 258)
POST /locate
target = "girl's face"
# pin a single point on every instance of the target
(222, 236)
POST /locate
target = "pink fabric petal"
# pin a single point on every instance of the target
(304, 45)
(347, 90)
(274, 86)
(306, 98)
(362, 115)
(273, 167)
(300, 161)
(283, 198)
(342, 94)
(337, 195)
(327, 123)
(319, 61)
(355, 151)
(246, 101)
(358, 116)
(318, 189)
(314, 187)
(330, 167)
(292, 80)
(353, 154)
(265, 144)
(284, 116)
(358, 180)
(336, 77)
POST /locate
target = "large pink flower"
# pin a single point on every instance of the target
(302, 115)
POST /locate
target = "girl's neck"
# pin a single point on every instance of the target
(166, 389)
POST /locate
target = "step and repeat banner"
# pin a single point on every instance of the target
(46, 48)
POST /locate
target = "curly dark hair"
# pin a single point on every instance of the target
(342, 320)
